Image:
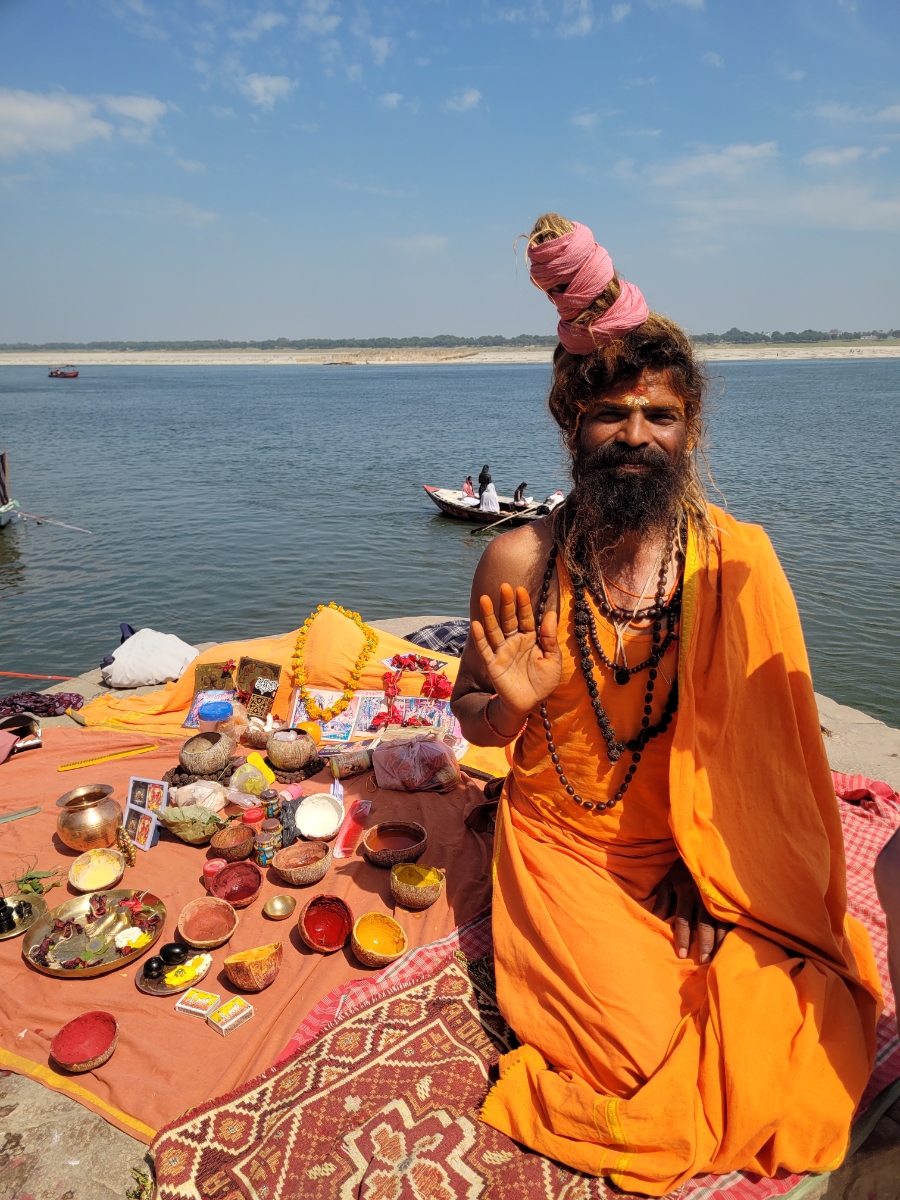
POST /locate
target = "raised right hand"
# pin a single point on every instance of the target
(522, 670)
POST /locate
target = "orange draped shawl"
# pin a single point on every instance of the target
(636, 1064)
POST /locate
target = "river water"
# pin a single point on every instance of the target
(226, 502)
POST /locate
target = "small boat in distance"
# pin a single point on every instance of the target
(63, 373)
(451, 503)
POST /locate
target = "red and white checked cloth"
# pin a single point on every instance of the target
(870, 813)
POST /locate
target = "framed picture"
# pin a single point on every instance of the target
(141, 827)
(192, 720)
(150, 794)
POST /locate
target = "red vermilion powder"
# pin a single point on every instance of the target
(87, 1037)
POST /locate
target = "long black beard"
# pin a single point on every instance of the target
(606, 504)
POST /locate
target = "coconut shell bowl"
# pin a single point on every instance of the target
(206, 753)
(239, 883)
(290, 749)
(377, 940)
(416, 886)
(85, 1043)
(303, 863)
(234, 843)
(393, 842)
(253, 970)
(207, 922)
(325, 924)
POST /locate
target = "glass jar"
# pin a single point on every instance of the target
(272, 828)
(271, 803)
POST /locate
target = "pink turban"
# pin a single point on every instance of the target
(576, 259)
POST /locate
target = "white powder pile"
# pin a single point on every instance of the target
(318, 817)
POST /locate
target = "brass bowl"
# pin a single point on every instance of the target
(89, 817)
(279, 908)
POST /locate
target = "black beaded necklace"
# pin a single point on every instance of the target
(584, 621)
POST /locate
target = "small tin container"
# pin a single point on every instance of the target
(271, 803)
(265, 848)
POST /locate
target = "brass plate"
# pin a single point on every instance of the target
(102, 931)
(156, 987)
(38, 908)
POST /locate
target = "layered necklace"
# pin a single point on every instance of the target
(658, 612)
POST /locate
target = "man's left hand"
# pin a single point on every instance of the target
(679, 896)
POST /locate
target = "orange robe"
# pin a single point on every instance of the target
(636, 1064)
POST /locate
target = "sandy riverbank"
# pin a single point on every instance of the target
(423, 356)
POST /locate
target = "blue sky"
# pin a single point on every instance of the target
(329, 168)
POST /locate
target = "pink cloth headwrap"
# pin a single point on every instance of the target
(576, 259)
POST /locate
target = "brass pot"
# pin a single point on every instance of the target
(89, 817)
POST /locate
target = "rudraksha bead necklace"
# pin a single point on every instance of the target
(614, 748)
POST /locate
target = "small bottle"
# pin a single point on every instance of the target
(265, 847)
(214, 714)
(272, 828)
(271, 802)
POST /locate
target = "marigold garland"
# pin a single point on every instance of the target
(313, 711)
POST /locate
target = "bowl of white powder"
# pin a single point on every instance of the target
(319, 816)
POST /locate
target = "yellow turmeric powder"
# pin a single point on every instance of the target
(415, 876)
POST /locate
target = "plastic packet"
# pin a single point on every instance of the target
(248, 779)
(422, 764)
(349, 832)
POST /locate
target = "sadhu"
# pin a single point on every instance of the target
(672, 942)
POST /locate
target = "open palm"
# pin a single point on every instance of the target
(523, 670)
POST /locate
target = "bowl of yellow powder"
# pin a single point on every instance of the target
(377, 939)
(97, 870)
(416, 886)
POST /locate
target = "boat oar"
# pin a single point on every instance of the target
(520, 512)
(50, 521)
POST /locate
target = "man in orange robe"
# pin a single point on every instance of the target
(672, 945)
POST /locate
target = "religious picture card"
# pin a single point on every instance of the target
(149, 794)
(141, 827)
(340, 729)
(370, 705)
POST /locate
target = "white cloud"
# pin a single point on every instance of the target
(586, 120)
(830, 206)
(36, 122)
(317, 16)
(536, 13)
(470, 98)
(222, 113)
(391, 100)
(263, 22)
(192, 166)
(714, 60)
(156, 208)
(786, 73)
(827, 156)
(419, 245)
(619, 12)
(264, 90)
(31, 122)
(843, 112)
(729, 163)
(578, 19)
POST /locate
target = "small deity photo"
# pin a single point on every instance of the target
(149, 794)
(140, 827)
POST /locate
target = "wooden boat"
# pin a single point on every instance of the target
(450, 502)
(63, 373)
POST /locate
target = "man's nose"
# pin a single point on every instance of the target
(634, 431)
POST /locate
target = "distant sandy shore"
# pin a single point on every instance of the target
(425, 356)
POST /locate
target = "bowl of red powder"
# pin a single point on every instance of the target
(85, 1043)
(325, 924)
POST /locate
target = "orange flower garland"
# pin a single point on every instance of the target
(313, 711)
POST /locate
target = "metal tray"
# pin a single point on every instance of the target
(23, 924)
(156, 987)
(97, 934)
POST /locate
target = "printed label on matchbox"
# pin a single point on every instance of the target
(197, 1003)
(232, 1013)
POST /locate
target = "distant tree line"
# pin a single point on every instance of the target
(740, 337)
(732, 336)
(382, 343)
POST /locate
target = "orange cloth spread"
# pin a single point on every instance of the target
(636, 1064)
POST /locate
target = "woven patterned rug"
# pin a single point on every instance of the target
(377, 1095)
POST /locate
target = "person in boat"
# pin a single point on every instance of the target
(468, 487)
(519, 500)
(671, 937)
(489, 500)
(484, 479)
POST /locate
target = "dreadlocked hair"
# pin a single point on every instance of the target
(657, 345)
(552, 225)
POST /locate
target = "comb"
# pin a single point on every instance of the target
(102, 758)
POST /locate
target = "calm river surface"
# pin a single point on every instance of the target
(227, 502)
